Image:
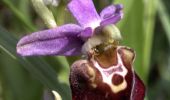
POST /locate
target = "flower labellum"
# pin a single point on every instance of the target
(107, 75)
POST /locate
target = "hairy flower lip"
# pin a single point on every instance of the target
(89, 85)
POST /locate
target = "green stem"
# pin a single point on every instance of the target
(44, 13)
(20, 15)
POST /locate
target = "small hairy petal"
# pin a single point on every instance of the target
(111, 10)
(84, 12)
(108, 11)
(111, 14)
(62, 40)
(111, 20)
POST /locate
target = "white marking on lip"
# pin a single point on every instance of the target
(107, 77)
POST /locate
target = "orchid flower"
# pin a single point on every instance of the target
(106, 73)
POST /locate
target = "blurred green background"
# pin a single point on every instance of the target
(145, 28)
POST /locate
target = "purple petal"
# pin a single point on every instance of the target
(86, 33)
(84, 12)
(62, 40)
(111, 20)
(111, 14)
(110, 10)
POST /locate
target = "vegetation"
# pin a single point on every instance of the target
(145, 28)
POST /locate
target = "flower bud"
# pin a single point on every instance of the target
(52, 2)
(44, 13)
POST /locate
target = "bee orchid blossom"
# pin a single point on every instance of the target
(106, 73)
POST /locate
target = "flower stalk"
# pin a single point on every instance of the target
(44, 13)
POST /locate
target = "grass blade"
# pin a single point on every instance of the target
(165, 18)
(149, 23)
(35, 65)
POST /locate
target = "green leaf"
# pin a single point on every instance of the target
(165, 18)
(150, 8)
(35, 65)
(16, 81)
(24, 19)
